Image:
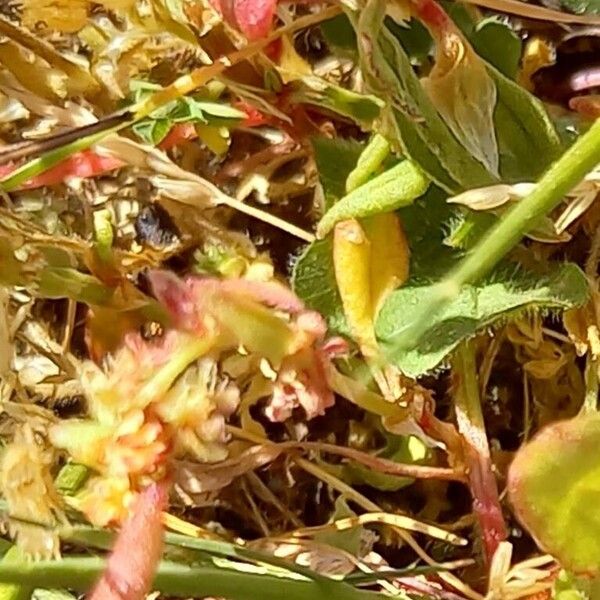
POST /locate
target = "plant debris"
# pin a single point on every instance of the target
(299, 299)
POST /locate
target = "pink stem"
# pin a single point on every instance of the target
(135, 555)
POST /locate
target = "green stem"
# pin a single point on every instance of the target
(469, 418)
(183, 581)
(561, 178)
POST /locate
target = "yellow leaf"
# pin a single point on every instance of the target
(390, 256)
(352, 263)
(291, 65)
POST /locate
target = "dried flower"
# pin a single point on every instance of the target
(196, 408)
(26, 484)
(107, 500)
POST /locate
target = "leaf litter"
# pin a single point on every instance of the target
(299, 298)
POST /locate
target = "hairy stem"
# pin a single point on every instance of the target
(562, 177)
(484, 489)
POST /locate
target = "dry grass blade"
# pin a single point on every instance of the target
(532, 11)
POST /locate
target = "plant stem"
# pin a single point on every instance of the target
(562, 177)
(484, 489)
(176, 580)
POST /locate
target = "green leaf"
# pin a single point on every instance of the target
(475, 308)
(498, 44)
(425, 223)
(553, 484)
(340, 36)
(401, 449)
(152, 131)
(582, 7)
(313, 280)
(393, 189)
(410, 120)
(569, 587)
(335, 160)
(71, 478)
(349, 540)
(414, 38)
(527, 139)
(185, 581)
(361, 108)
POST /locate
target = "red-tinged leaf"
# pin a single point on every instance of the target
(553, 485)
(254, 18)
(136, 552)
(181, 132)
(80, 165)
(254, 118)
(88, 163)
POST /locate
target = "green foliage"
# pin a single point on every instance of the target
(393, 189)
(401, 449)
(15, 591)
(411, 122)
(340, 35)
(361, 108)
(582, 7)
(474, 308)
(498, 44)
(155, 128)
(553, 486)
(71, 478)
(527, 140)
(569, 587)
(314, 281)
(335, 160)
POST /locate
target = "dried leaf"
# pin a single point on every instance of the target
(196, 479)
(464, 94)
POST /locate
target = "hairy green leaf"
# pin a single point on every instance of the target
(553, 485)
(15, 591)
(582, 7)
(314, 282)
(393, 189)
(474, 308)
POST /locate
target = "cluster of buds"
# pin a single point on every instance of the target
(169, 397)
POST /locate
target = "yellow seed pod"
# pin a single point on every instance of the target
(390, 256)
(352, 264)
